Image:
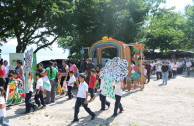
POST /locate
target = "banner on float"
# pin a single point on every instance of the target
(14, 57)
(34, 67)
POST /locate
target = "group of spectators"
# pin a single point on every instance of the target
(167, 69)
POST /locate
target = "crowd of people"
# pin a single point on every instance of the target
(85, 77)
(167, 69)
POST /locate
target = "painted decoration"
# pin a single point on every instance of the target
(27, 68)
(14, 93)
(115, 69)
(14, 57)
(108, 88)
(34, 67)
(82, 51)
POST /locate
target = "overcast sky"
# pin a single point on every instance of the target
(59, 53)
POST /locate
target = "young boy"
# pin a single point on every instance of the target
(39, 92)
(71, 82)
(118, 95)
(92, 84)
(82, 97)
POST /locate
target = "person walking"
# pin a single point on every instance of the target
(2, 74)
(118, 94)
(158, 71)
(188, 66)
(7, 68)
(65, 74)
(174, 70)
(82, 97)
(165, 70)
(148, 68)
(19, 69)
(89, 66)
(51, 72)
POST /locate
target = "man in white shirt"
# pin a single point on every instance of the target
(5, 64)
(82, 97)
(71, 82)
(188, 65)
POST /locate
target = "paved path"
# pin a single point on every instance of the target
(156, 105)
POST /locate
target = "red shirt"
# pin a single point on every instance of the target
(92, 81)
(2, 72)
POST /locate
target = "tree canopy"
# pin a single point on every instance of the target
(33, 21)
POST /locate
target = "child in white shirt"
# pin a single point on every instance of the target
(39, 92)
(118, 94)
(2, 107)
(71, 82)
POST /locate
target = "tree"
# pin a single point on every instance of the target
(164, 31)
(120, 19)
(33, 21)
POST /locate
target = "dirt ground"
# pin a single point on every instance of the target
(156, 105)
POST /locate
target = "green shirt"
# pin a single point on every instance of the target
(54, 73)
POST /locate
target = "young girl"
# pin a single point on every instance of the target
(28, 102)
(2, 107)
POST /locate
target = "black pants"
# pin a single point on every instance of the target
(103, 101)
(6, 83)
(169, 74)
(148, 75)
(117, 104)
(69, 92)
(36, 98)
(91, 91)
(159, 75)
(2, 82)
(78, 103)
(28, 102)
(174, 73)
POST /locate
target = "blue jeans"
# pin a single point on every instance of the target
(188, 71)
(2, 122)
(165, 77)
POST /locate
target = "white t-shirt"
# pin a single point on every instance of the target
(6, 70)
(158, 68)
(145, 72)
(188, 64)
(71, 80)
(39, 83)
(175, 67)
(2, 111)
(101, 84)
(30, 84)
(118, 90)
(83, 87)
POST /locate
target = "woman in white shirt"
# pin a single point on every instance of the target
(2, 107)
(188, 65)
(118, 94)
(158, 71)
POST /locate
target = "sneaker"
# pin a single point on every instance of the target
(114, 115)
(75, 120)
(35, 108)
(102, 109)
(43, 107)
(108, 106)
(121, 111)
(52, 101)
(93, 117)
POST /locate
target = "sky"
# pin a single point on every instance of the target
(59, 53)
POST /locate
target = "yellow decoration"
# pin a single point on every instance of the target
(105, 39)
